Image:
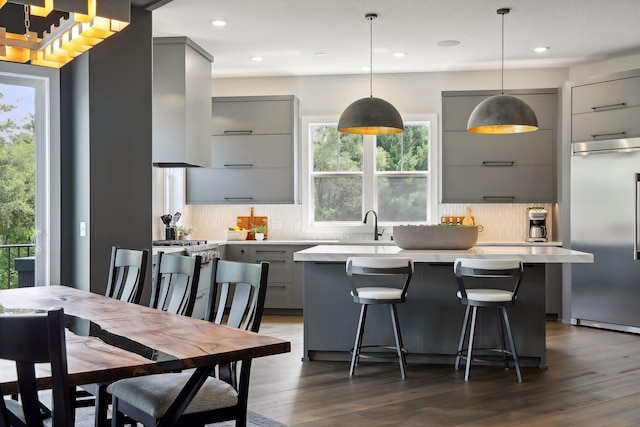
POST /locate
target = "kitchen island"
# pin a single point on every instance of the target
(431, 318)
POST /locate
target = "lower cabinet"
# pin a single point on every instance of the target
(285, 278)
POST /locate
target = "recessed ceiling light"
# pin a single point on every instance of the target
(448, 43)
(541, 49)
(399, 54)
(257, 58)
(320, 54)
(218, 23)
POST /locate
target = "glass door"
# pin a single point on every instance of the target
(25, 179)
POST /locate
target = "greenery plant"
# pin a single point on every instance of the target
(185, 230)
(258, 228)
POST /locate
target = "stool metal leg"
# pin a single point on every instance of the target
(513, 345)
(472, 333)
(355, 358)
(463, 335)
(399, 346)
(504, 348)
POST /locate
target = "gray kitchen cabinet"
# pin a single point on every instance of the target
(254, 115)
(254, 153)
(280, 283)
(606, 109)
(238, 253)
(516, 168)
(285, 278)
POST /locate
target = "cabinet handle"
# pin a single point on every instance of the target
(238, 132)
(609, 107)
(499, 198)
(277, 286)
(270, 252)
(271, 260)
(497, 163)
(608, 135)
(238, 165)
(238, 198)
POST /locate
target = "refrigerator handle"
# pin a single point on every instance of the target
(636, 225)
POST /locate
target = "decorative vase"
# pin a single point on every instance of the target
(259, 236)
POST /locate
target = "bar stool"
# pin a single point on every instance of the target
(365, 296)
(509, 270)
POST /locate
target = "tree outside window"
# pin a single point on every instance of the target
(17, 179)
(398, 174)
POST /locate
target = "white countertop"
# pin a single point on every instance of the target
(531, 254)
(364, 242)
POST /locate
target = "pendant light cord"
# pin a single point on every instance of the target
(503, 11)
(371, 17)
(502, 61)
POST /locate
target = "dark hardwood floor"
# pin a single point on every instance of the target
(593, 380)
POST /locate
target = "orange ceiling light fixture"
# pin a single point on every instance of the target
(82, 24)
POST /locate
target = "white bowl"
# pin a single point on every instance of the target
(237, 234)
(435, 236)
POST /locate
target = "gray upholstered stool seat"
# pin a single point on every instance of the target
(365, 268)
(153, 394)
(491, 271)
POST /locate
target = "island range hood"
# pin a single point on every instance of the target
(181, 103)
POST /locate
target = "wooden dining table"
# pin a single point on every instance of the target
(108, 340)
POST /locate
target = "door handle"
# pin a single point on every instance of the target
(498, 163)
(609, 107)
(598, 136)
(636, 225)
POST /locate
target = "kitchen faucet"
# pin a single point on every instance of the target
(375, 223)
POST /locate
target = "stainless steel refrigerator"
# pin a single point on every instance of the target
(605, 187)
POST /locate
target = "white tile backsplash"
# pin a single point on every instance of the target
(501, 222)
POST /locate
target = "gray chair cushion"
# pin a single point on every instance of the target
(154, 394)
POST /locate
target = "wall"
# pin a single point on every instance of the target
(411, 94)
(106, 153)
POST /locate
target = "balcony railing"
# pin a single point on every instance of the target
(8, 255)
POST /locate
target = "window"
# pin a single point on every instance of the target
(349, 174)
(38, 88)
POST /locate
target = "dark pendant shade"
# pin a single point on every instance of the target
(371, 116)
(502, 114)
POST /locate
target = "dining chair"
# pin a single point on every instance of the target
(29, 339)
(175, 283)
(237, 300)
(504, 276)
(376, 293)
(127, 270)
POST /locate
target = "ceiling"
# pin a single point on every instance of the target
(290, 34)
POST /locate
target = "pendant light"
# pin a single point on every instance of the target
(501, 114)
(371, 116)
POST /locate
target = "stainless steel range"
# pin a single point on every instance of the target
(192, 247)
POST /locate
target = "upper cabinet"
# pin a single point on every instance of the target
(254, 153)
(181, 103)
(516, 168)
(606, 109)
(254, 115)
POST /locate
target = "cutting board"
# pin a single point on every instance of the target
(247, 221)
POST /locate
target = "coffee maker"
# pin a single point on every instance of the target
(537, 224)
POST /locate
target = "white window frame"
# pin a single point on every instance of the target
(369, 175)
(46, 82)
